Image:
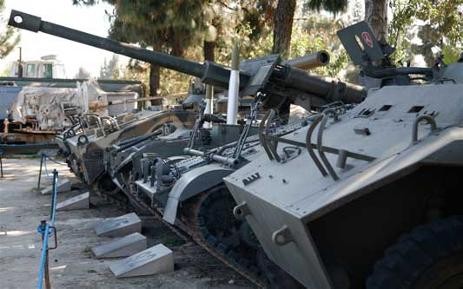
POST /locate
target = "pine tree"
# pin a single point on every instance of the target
(167, 26)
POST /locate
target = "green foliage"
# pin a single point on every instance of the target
(135, 70)
(319, 33)
(440, 22)
(451, 54)
(169, 26)
(245, 21)
(8, 37)
(249, 22)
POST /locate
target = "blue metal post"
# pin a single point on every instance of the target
(1, 164)
(53, 197)
(46, 229)
(42, 156)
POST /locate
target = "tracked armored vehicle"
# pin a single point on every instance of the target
(188, 191)
(84, 145)
(374, 202)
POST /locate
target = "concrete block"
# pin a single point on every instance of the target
(119, 226)
(123, 247)
(78, 202)
(64, 185)
(154, 260)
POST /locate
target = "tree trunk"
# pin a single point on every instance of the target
(376, 16)
(283, 26)
(155, 83)
(208, 50)
(176, 43)
(155, 73)
(155, 78)
(177, 49)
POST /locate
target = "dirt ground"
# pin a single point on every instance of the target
(72, 264)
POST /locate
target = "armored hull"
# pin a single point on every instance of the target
(329, 214)
(373, 202)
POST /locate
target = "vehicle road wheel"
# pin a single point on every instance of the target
(430, 257)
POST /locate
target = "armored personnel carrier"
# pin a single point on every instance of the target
(374, 202)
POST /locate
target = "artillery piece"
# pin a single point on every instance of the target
(375, 202)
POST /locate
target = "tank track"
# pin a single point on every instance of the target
(216, 244)
(187, 227)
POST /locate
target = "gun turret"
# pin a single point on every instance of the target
(280, 83)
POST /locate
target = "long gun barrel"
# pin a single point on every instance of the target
(35, 24)
(267, 75)
(310, 61)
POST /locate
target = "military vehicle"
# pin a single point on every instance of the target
(189, 191)
(375, 202)
(85, 143)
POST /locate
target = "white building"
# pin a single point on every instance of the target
(47, 67)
